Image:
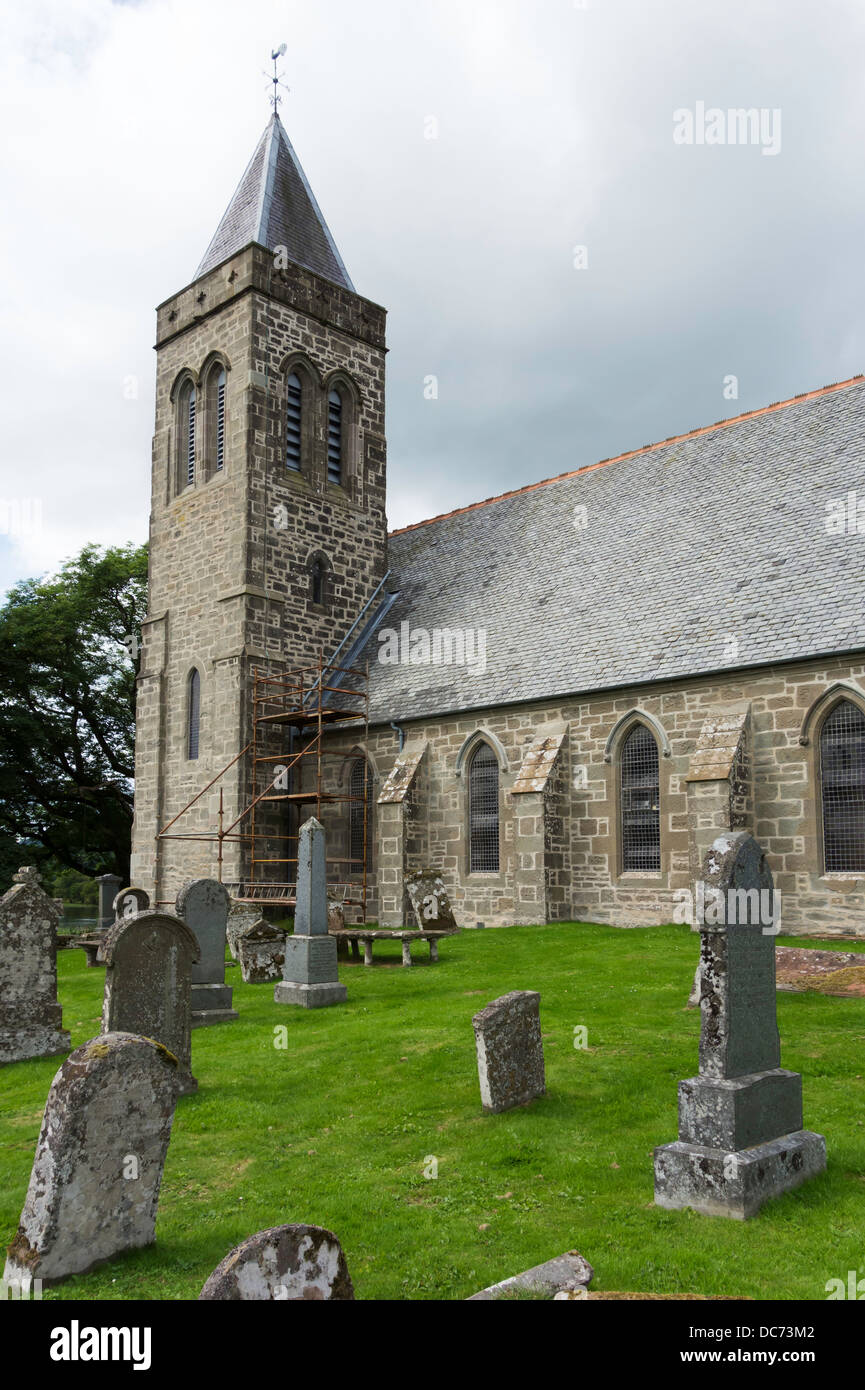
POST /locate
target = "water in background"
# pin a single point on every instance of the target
(78, 919)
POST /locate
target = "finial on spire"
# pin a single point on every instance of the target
(275, 98)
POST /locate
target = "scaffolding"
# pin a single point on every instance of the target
(291, 713)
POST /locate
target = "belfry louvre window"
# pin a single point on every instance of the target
(220, 421)
(641, 820)
(842, 774)
(360, 790)
(194, 716)
(334, 437)
(484, 812)
(188, 427)
(293, 422)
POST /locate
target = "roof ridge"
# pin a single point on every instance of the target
(634, 453)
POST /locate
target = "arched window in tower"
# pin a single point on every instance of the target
(484, 811)
(318, 586)
(334, 437)
(641, 817)
(193, 715)
(220, 420)
(360, 816)
(187, 434)
(842, 776)
(294, 423)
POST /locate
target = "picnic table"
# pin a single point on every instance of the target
(365, 936)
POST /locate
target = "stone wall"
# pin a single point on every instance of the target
(560, 849)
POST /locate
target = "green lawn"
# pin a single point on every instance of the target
(337, 1128)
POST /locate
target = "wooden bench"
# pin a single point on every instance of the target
(366, 936)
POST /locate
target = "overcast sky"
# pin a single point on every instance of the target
(126, 127)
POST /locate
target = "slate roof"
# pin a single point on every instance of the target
(274, 205)
(707, 551)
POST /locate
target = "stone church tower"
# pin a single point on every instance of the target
(268, 529)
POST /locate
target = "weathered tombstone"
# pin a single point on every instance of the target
(240, 916)
(261, 953)
(741, 1140)
(148, 980)
(204, 907)
(31, 1019)
(694, 996)
(129, 902)
(109, 887)
(429, 899)
(310, 975)
(510, 1051)
(288, 1264)
(94, 1186)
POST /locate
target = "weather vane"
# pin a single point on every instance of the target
(276, 78)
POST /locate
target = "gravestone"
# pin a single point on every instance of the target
(109, 887)
(94, 1186)
(741, 1140)
(288, 1264)
(261, 953)
(240, 916)
(31, 1019)
(510, 1051)
(148, 981)
(129, 902)
(429, 900)
(310, 975)
(204, 907)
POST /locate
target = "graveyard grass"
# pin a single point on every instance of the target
(337, 1127)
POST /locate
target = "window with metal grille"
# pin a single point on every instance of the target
(360, 790)
(293, 422)
(334, 437)
(484, 812)
(220, 421)
(189, 427)
(641, 820)
(194, 715)
(842, 775)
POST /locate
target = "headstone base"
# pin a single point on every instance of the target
(211, 1004)
(737, 1183)
(23, 1044)
(310, 996)
(737, 1114)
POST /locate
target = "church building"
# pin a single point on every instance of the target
(557, 698)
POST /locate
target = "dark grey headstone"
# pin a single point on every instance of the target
(741, 1140)
(31, 1020)
(430, 902)
(109, 887)
(288, 1264)
(204, 906)
(129, 902)
(310, 917)
(510, 1051)
(148, 981)
(94, 1187)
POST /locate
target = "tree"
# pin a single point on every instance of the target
(68, 662)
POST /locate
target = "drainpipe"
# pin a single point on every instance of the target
(401, 733)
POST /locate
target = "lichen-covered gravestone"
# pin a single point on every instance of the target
(30, 1016)
(261, 953)
(148, 975)
(204, 906)
(510, 1051)
(310, 973)
(288, 1264)
(741, 1140)
(240, 916)
(94, 1187)
(430, 902)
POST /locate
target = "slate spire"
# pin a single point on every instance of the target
(274, 205)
